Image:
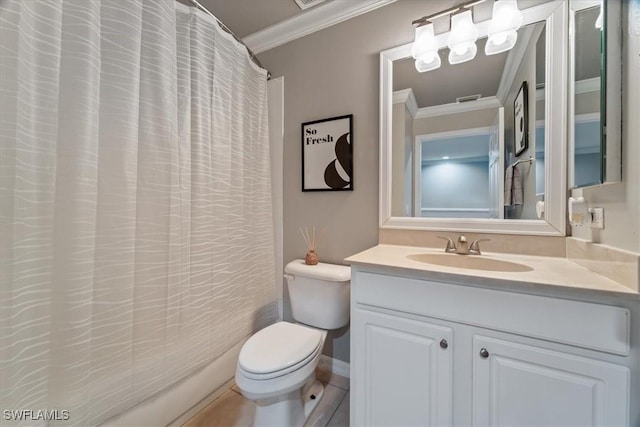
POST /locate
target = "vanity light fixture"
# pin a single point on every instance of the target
(503, 28)
(461, 41)
(462, 38)
(425, 48)
(599, 18)
(599, 21)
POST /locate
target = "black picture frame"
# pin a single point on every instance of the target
(521, 120)
(327, 154)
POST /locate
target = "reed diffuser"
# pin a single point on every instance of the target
(310, 239)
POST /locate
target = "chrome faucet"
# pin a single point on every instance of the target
(463, 247)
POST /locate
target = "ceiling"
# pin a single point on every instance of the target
(245, 17)
(265, 24)
(445, 84)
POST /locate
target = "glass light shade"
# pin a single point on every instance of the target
(425, 41)
(428, 62)
(463, 54)
(500, 42)
(599, 18)
(599, 21)
(505, 21)
(462, 38)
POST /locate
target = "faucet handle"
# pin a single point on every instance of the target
(451, 247)
(475, 247)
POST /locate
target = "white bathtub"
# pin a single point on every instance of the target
(176, 405)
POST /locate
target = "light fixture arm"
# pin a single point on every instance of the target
(429, 18)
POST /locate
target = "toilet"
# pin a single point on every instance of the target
(276, 366)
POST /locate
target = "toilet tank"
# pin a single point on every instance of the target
(319, 294)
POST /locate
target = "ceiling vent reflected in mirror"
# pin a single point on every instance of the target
(306, 4)
(468, 98)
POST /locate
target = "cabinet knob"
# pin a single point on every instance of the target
(484, 353)
(444, 343)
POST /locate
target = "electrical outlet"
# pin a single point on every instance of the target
(597, 217)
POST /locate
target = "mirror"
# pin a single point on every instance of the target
(463, 137)
(594, 130)
(450, 136)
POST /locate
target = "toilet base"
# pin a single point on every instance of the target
(290, 409)
(312, 392)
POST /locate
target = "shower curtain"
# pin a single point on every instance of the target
(135, 203)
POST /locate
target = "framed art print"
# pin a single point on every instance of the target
(521, 120)
(327, 154)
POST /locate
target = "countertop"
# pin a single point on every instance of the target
(547, 271)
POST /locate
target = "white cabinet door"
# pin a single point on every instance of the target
(521, 385)
(402, 371)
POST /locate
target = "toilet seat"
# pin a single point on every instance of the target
(278, 350)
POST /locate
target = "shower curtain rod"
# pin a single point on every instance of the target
(253, 57)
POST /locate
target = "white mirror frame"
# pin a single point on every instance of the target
(555, 14)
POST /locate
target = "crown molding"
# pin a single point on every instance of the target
(587, 117)
(406, 97)
(458, 107)
(315, 19)
(587, 85)
(581, 86)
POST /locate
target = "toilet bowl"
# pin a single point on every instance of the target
(276, 366)
(273, 368)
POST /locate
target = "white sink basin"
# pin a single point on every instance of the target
(472, 262)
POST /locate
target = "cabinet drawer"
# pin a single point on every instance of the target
(593, 326)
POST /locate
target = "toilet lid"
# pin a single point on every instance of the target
(278, 347)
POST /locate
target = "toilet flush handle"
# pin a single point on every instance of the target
(289, 276)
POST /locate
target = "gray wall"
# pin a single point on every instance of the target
(335, 71)
(402, 147)
(330, 73)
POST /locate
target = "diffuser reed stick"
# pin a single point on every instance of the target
(304, 236)
(310, 239)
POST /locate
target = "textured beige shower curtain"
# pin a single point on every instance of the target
(135, 202)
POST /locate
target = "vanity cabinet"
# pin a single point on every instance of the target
(428, 353)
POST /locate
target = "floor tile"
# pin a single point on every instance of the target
(234, 410)
(326, 407)
(230, 409)
(341, 417)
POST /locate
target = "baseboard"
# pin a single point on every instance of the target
(336, 366)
